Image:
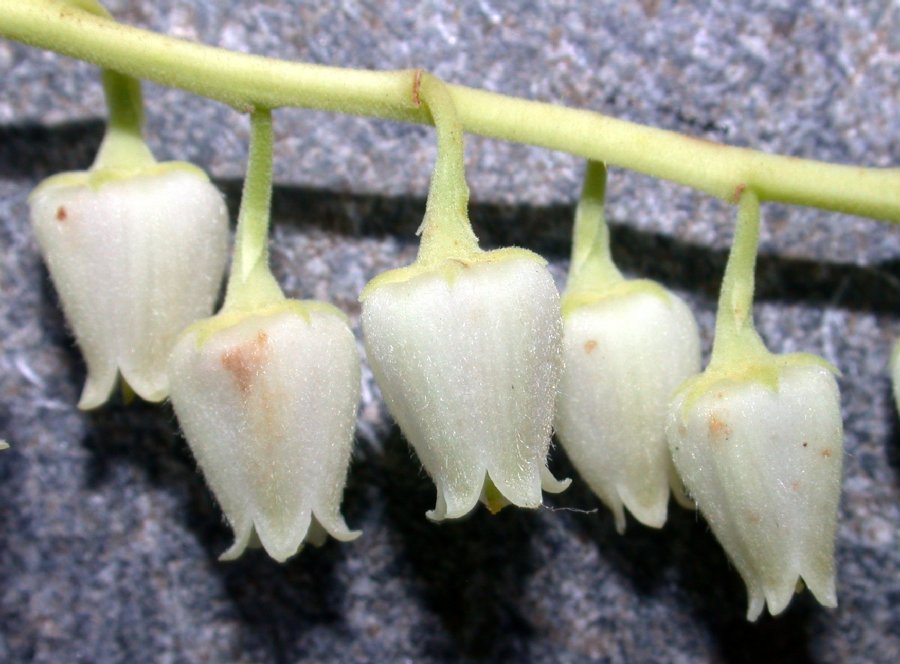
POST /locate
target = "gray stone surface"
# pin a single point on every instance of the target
(109, 538)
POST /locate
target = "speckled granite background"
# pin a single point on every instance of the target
(108, 537)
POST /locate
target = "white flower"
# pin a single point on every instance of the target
(135, 256)
(626, 349)
(267, 401)
(759, 448)
(467, 355)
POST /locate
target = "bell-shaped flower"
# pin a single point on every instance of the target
(137, 251)
(624, 354)
(266, 392)
(627, 344)
(267, 400)
(467, 356)
(757, 439)
(465, 346)
(759, 449)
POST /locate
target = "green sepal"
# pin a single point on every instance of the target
(572, 300)
(102, 176)
(206, 328)
(449, 268)
(764, 369)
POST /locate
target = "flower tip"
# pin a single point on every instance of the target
(346, 536)
(96, 392)
(754, 608)
(552, 485)
(823, 588)
(152, 389)
(450, 506)
(335, 526)
(778, 597)
(827, 599)
(652, 516)
(619, 516)
(242, 540)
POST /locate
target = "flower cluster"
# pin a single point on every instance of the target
(475, 353)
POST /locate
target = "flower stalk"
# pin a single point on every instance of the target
(736, 337)
(446, 230)
(250, 283)
(592, 265)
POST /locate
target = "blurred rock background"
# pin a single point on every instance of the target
(108, 536)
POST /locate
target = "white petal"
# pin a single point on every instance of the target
(468, 366)
(624, 356)
(134, 262)
(268, 406)
(764, 467)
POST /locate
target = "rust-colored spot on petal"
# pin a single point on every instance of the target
(61, 214)
(795, 486)
(243, 361)
(589, 346)
(719, 431)
(805, 444)
(826, 453)
(754, 517)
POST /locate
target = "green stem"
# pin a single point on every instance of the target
(124, 102)
(247, 81)
(446, 230)
(123, 146)
(736, 338)
(592, 266)
(251, 284)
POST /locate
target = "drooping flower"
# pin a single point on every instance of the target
(467, 358)
(135, 258)
(266, 392)
(627, 345)
(268, 403)
(760, 449)
(625, 354)
(465, 346)
(757, 439)
(136, 249)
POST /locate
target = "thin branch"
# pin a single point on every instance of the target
(246, 82)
